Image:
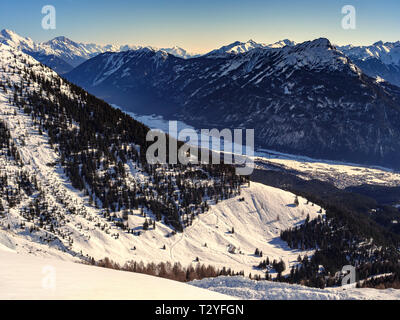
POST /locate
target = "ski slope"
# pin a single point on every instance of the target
(52, 279)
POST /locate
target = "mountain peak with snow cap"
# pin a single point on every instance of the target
(234, 48)
(61, 39)
(9, 34)
(13, 39)
(281, 44)
(317, 43)
(378, 43)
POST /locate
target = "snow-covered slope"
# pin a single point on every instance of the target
(14, 40)
(380, 60)
(257, 215)
(26, 277)
(266, 290)
(257, 222)
(388, 52)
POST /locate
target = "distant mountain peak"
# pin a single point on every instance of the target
(61, 39)
(236, 47)
(287, 41)
(379, 59)
(318, 43)
(14, 40)
(378, 43)
(6, 32)
(282, 43)
(9, 33)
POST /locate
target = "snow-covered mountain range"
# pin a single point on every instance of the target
(380, 60)
(296, 97)
(63, 54)
(388, 52)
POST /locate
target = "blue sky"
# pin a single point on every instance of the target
(203, 25)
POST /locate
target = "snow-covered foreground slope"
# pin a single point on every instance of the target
(27, 277)
(255, 222)
(55, 279)
(267, 290)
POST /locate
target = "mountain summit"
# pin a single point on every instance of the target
(14, 40)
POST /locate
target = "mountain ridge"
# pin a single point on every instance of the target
(381, 59)
(296, 97)
(63, 54)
